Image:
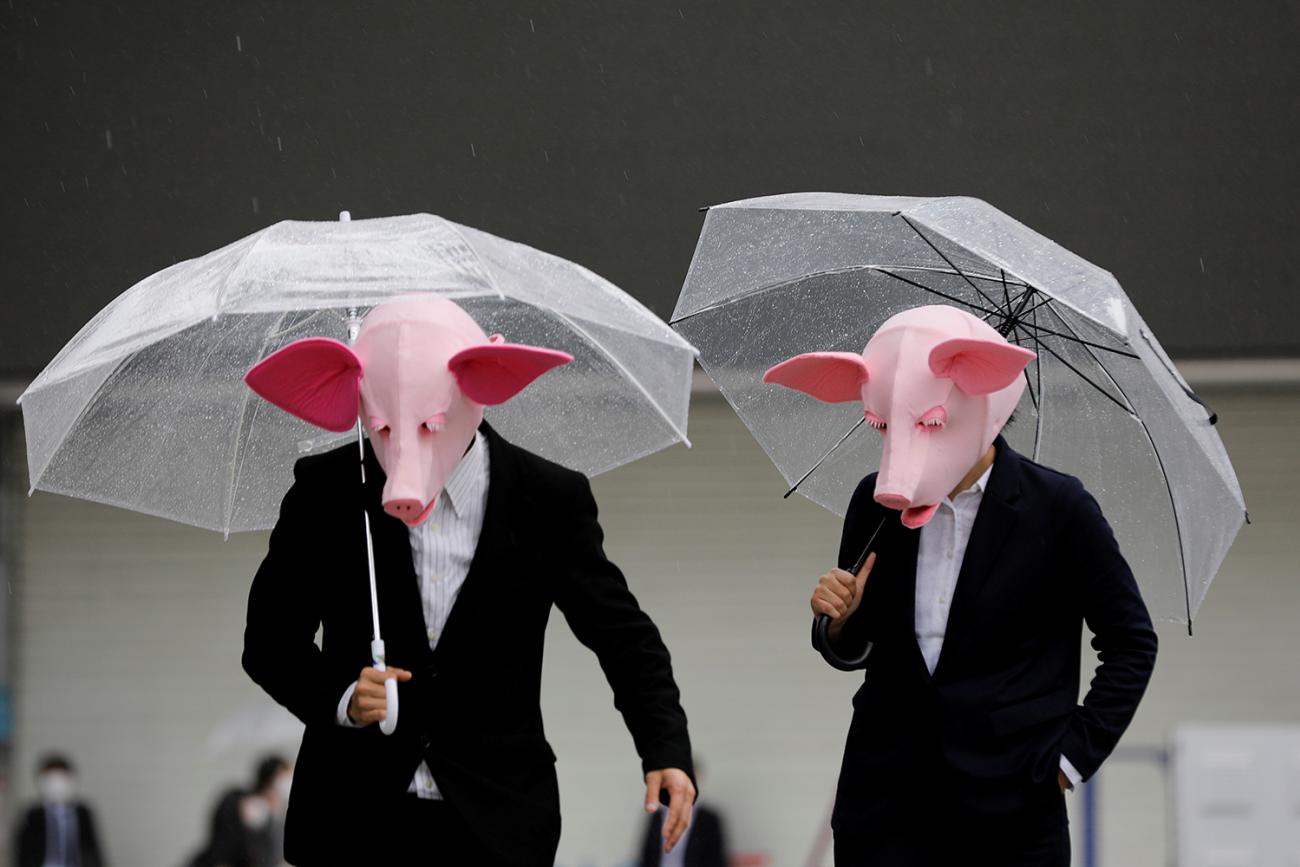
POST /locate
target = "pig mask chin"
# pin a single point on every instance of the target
(419, 373)
(936, 383)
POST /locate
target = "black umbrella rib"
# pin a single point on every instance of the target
(1079, 340)
(925, 288)
(945, 258)
(830, 452)
(1038, 375)
(1086, 379)
(1164, 476)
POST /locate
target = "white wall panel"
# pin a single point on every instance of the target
(127, 630)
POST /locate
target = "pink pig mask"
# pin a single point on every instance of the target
(937, 383)
(419, 373)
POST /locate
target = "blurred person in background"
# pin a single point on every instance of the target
(60, 830)
(247, 824)
(704, 844)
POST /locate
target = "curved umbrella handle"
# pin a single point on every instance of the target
(389, 723)
(822, 641)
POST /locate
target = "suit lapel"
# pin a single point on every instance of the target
(994, 523)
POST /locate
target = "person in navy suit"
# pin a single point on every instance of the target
(967, 729)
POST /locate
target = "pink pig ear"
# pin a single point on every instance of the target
(316, 379)
(979, 366)
(835, 377)
(492, 373)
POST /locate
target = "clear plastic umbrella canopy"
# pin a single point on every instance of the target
(776, 276)
(146, 407)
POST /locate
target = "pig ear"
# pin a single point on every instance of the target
(492, 373)
(979, 366)
(835, 377)
(316, 379)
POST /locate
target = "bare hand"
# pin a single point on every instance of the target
(681, 799)
(839, 593)
(1063, 781)
(369, 704)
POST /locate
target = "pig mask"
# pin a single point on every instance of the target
(937, 383)
(419, 373)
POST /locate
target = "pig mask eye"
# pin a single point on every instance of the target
(435, 423)
(933, 419)
(875, 421)
(379, 426)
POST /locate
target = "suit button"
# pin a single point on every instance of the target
(431, 670)
(425, 742)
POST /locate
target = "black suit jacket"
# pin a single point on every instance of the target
(706, 846)
(988, 728)
(472, 709)
(32, 839)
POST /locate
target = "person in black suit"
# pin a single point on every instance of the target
(703, 845)
(470, 704)
(59, 831)
(243, 831)
(967, 760)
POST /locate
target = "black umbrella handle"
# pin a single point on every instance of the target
(821, 638)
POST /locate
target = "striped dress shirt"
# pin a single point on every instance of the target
(442, 549)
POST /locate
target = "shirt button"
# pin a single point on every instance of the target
(433, 635)
(434, 579)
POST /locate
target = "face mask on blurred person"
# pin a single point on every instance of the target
(55, 786)
(254, 812)
(283, 784)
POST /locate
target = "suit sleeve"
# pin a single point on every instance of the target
(860, 628)
(92, 852)
(1122, 634)
(280, 652)
(604, 615)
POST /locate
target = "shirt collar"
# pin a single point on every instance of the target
(460, 485)
(977, 488)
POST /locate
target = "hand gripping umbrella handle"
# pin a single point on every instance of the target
(821, 638)
(389, 724)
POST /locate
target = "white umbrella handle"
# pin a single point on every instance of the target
(389, 723)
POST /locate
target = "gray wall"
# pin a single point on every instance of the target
(126, 634)
(1155, 138)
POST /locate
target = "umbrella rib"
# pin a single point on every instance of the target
(1164, 476)
(236, 468)
(1079, 340)
(1085, 378)
(618, 365)
(933, 291)
(838, 443)
(950, 263)
(1038, 375)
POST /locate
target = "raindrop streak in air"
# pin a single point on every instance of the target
(108, 138)
(239, 45)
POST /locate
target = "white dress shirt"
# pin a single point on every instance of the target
(442, 549)
(938, 563)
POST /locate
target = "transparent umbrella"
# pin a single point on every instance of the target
(146, 407)
(776, 276)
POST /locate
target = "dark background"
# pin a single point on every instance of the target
(1157, 139)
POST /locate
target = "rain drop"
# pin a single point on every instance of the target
(531, 26)
(108, 138)
(257, 206)
(239, 45)
(279, 145)
(472, 152)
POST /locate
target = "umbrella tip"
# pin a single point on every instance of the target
(345, 216)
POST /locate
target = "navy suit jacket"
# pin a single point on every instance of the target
(989, 726)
